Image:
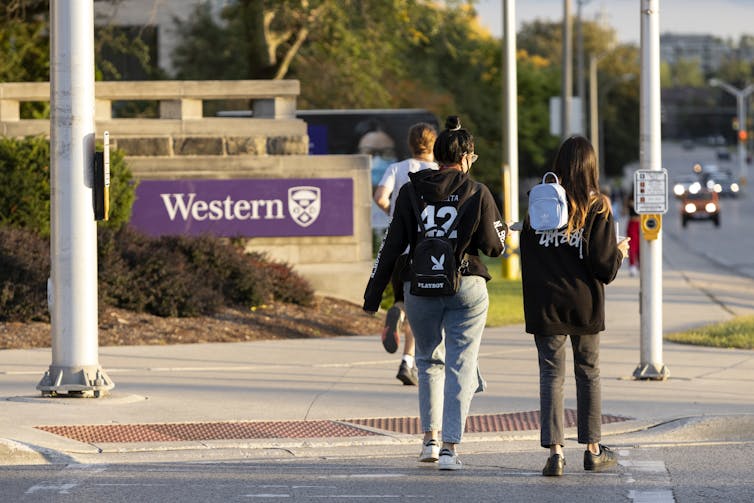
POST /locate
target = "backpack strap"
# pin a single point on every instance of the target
(413, 196)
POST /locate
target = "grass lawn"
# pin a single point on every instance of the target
(506, 298)
(736, 333)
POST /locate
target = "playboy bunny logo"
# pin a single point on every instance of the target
(438, 264)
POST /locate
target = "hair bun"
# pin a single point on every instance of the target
(453, 123)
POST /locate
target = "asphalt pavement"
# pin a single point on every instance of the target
(315, 397)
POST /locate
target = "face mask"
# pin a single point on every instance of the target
(379, 166)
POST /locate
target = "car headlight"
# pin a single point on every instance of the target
(717, 188)
(710, 207)
(695, 187)
(690, 208)
(734, 187)
(678, 189)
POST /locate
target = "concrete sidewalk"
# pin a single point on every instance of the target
(314, 395)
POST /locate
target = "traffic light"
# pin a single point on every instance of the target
(742, 135)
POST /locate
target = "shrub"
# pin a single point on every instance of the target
(25, 191)
(24, 268)
(166, 276)
(189, 276)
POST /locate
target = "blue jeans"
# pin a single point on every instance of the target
(448, 331)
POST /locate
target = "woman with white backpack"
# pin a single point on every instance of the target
(564, 271)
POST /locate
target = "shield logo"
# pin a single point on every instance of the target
(304, 204)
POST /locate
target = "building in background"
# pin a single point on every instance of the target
(708, 50)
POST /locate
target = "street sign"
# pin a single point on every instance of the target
(651, 191)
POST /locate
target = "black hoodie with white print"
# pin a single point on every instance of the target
(441, 193)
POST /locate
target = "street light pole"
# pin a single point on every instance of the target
(741, 95)
(72, 288)
(580, 85)
(651, 365)
(511, 262)
(594, 125)
(567, 77)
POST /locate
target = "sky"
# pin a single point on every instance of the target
(722, 18)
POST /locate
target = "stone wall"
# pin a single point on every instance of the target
(182, 144)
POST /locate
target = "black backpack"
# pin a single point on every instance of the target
(434, 272)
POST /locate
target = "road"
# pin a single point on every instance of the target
(704, 471)
(730, 244)
(700, 460)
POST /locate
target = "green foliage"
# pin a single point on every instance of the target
(25, 191)
(206, 49)
(735, 333)
(166, 276)
(122, 191)
(683, 73)
(506, 297)
(185, 276)
(24, 44)
(537, 82)
(25, 48)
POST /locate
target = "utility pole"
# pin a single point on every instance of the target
(594, 124)
(567, 76)
(741, 95)
(651, 366)
(72, 288)
(511, 261)
(580, 84)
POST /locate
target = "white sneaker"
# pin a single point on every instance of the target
(633, 271)
(430, 451)
(449, 460)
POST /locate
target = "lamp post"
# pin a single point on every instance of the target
(580, 86)
(595, 102)
(741, 95)
(566, 76)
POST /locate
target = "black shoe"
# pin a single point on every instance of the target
(602, 461)
(554, 466)
(408, 375)
(391, 333)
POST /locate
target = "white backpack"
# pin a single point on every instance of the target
(548, 206)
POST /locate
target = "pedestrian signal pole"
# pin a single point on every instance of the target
(511, 261)
(72, 289)
(650, 198)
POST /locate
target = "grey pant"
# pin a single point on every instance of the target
(552, 369)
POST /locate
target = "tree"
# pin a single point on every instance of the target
(24, 43)
(25, 46)
(619, 112)
(259, 39)
(685, 72)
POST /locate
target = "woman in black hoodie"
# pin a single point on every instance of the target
(447, 329)
(564, 272)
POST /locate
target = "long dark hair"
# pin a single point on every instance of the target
(452, 143)
(576, 167)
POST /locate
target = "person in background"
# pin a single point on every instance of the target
(447, 329)
(633, 228)
(373, 140)
(421, 139)
(564, 273)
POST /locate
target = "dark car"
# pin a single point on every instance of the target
(704, 205)
(685, 184)
(726, 184)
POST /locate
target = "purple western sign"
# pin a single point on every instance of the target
(248, 207)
